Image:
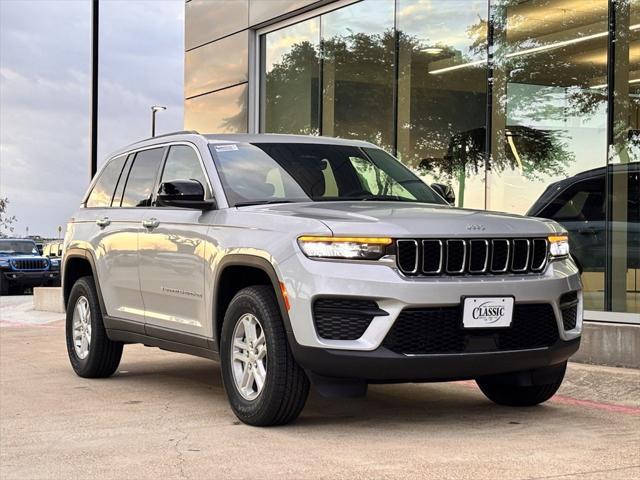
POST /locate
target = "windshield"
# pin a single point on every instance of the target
(296, 172)
(20, 247)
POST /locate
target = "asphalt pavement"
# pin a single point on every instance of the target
(165, 415)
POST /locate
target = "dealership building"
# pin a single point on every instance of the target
(522, 106)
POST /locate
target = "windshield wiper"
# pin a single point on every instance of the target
(261, 202)
(392, 198)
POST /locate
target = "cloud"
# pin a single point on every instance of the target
(44, 95)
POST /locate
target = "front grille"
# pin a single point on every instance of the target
(29, 263)
(569, 309)
(472, 256)
(439, 331)
(338, 318)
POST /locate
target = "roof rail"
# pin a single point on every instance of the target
(180, 132)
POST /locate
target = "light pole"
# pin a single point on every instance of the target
(93, 104)
(154, 109)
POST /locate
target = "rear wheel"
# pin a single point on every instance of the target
(91, 353)
(510, 394)
(264, 384)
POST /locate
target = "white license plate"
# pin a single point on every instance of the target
(487, 312)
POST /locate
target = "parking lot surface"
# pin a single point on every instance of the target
(165, 415)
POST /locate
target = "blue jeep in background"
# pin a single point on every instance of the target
(22, 266)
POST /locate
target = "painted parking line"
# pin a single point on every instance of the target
(609, 407)
(575, 402)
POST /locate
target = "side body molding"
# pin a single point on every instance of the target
(131, 332)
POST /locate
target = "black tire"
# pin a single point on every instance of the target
(4, 286)
(521, 396)
(104, 355)
(286, 386)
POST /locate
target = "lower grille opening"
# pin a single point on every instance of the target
(439, 331)
(337, 318)
(569, 309)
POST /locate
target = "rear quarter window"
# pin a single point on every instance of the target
(102, 191)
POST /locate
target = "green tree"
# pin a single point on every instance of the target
(6, 221)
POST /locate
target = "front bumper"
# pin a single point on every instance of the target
(385, 366)
(306, 280)
(366, 358)
(31, 279)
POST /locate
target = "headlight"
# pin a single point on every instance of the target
(364, 248)
(558, 246)
(4, 263)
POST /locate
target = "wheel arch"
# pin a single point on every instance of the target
(234, 273)
(79, 263)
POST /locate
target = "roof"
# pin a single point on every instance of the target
(241, 138)
(279, 138)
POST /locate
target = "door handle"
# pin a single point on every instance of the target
(150, 223)
(103, 222)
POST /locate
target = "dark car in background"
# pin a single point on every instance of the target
(23, 267)
(578, 203)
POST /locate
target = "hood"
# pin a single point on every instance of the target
(402, 219)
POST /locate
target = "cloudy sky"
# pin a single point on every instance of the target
(44, 95)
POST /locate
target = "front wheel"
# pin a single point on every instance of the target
(264, 384)
(513, 395)
(91, 353)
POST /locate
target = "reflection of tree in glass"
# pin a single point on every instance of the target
(446, 124)
(292, 84)
(533, 152)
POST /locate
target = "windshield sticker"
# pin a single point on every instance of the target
(226, 148)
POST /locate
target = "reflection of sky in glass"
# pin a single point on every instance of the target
(442, 22)
(280, 42)
(371, 17)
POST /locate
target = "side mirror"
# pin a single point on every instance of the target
(445, 191)
(184, 194)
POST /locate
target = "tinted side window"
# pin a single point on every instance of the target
(103, 189)
(117, 196)
(142, 176)
(583, 201)
(183, 164)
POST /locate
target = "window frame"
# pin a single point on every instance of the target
(97, 178)
(256, 109)
(154, 187)
(129, 163)
(208, 190)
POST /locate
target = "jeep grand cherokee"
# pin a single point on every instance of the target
(298, 261)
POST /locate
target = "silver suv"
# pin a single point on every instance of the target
(307, 260)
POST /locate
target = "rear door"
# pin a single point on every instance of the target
(113, 236)
(172, 247)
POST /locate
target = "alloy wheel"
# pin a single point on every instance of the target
(249, 356)
(82, 327)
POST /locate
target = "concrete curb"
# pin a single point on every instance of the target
(612, 344)
(48, 299)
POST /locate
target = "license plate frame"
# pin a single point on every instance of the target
(492, 317)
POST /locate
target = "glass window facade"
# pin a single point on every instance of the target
(529, 107)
